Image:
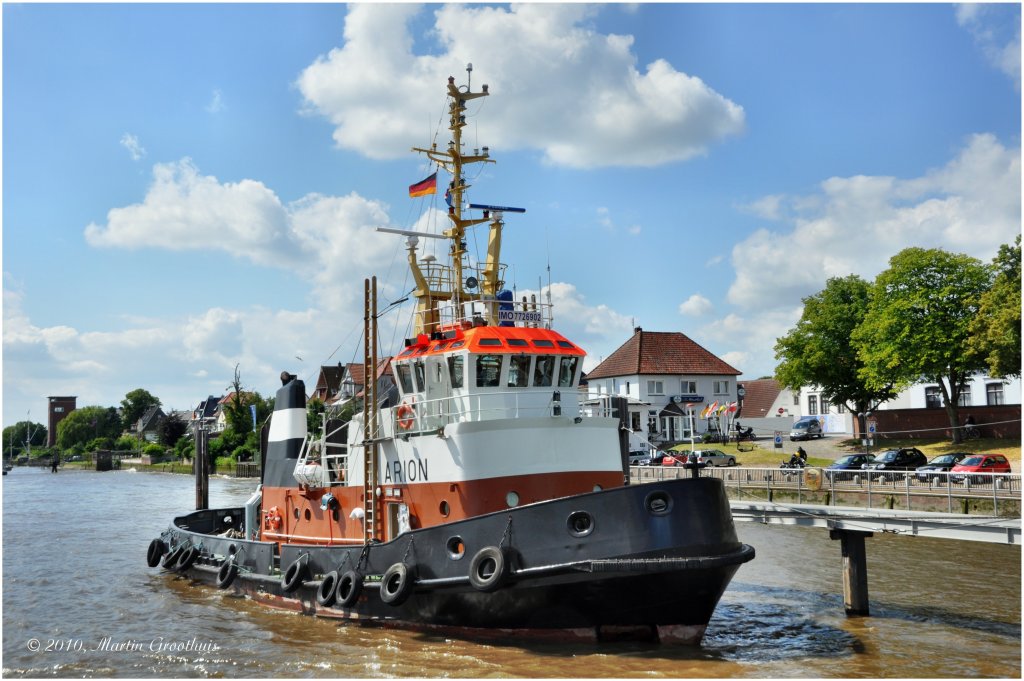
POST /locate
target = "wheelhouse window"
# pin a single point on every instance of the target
(567, 372)
(488, 371)
(994, 393)
(932, 397)
(812, 404)
(418, 372)
(655, 387)
(544, 371)
(518, 371)
(455, 363)
(404, 378)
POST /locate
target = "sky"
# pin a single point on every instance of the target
(189, 188)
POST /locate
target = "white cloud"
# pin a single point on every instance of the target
(565, 89)
(696, 306)
(131, 143)
(998, 39)
(216, 104)
(327, 240)
(855, 224)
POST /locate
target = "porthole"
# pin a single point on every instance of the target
(658, 503)
(296, 512)
(444, 508)
(308, 514)
(580, 523)
(456, 548)
(512, 499)
(334, 514)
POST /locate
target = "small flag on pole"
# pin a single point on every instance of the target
(424, 187)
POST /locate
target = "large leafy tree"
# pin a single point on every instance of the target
(996, 329)
(819, 350)
(134, 405)
(171, 429)
(22, 433)
(918, 324)
(86, 424)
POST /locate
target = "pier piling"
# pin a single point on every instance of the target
(855, 570)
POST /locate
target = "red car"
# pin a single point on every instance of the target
(981, 464)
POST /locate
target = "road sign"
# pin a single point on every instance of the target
(872, 426)
(781, 411)
(778, 439)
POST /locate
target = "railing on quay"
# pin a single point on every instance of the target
(874, 489)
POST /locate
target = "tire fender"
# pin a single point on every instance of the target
(294, 575)
(396, 584)
(488, 569)
(327, 592)
(227, 573)
(155, 552)
(350, 585)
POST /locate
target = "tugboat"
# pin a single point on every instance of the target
(479, 498)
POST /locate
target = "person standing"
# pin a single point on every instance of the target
(55, 463)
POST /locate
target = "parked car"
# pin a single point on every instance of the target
(983, 465)
(675, 458)
(903, 459)
(850, 462)
(715, 457)
(939, 464)
(640, 458)
(805, 429)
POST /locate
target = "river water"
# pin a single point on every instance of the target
(79, 600)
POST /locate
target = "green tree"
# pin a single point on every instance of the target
(819, 350)
(134, 405)
(918, 323)
(996, 329)
(22, 433)
(171, 429)
(86, 424)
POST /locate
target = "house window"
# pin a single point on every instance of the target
(965, 399)
(634, 421)
(840, 408)
(59, 410)
(655, 387)
(688, 387)
(812, 404)
(721, 387)
(993, 393)
(824, 405)
(796, 398)
(932, 397)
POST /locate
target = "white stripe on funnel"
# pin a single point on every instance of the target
(287, 424)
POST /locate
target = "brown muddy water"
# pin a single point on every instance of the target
(79, 601)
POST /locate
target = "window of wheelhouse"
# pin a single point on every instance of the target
(544, 370)
(567, 371)
(488, 371)
(419, 372)
(455, 366)
(404, 378)
(518, 371)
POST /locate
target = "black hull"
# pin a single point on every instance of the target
(652, 558)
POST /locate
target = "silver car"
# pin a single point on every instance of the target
(805, 429)
(714, 457)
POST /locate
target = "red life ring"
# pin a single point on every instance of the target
(406, 416)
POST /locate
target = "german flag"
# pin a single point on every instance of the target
(424, 187)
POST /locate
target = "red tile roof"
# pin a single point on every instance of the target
(759, 398)
(660, 352)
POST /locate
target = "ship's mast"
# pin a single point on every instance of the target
(430, 290)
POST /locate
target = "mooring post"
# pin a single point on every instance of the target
(201, 465)
(855, 570)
